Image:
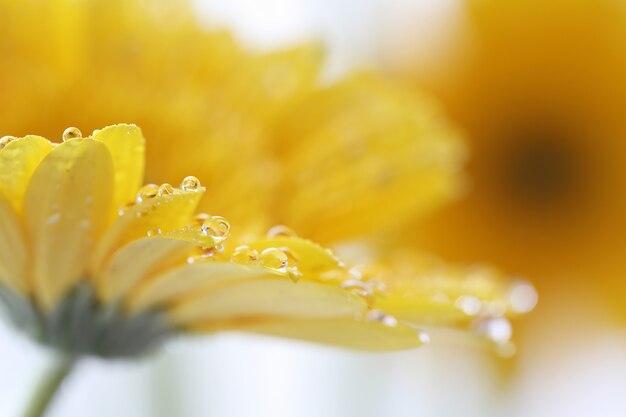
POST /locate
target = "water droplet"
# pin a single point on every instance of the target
(496, 329)
(291, 257)
(274, 258)
(468, 304)
(281, 231)
(71, 133)
(190, 183)
(154, 232)
(245, 255)
(523, 298)
(217, 227)
(359, 288)
(423, 336)
(207, 255)
(382, 317)
(147, 192)
(5, 140)
(294, 273)
(166, 189)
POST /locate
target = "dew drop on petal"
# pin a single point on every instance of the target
(523, 298)
(165, 189)
(244, 254)
(468, 304)
(281, 231)
(154, 232)
(5, 140)
(217, 227)
(496, 329)
(71, 133)
(382, 317)
(274, 258)
(360, 288)
(294, 273)
(190, 183)
(423, 337)
(147, 192)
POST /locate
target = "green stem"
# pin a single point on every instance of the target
(48, 387)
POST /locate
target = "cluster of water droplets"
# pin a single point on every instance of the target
(365, 281)
(280, 259)
(489, 316)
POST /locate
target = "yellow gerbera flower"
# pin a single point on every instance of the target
(539, 88)
(90, 265)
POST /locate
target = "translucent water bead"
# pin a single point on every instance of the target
(217, 228)
(71, 133)
(190, 183)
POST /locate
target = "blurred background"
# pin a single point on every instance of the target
(537, 89)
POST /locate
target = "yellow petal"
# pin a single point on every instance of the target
(347, 333)
(272, 297)
(137, 261)
(191, 279)
(167, 213)
(18, 161)
(127, 147)
(12, 248)
(66, 208)
(311, 259)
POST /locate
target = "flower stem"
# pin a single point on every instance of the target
(48, 387)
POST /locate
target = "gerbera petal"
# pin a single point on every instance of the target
(12, 248)
(163, 212)
(347, 333)
(18, 161)
(127, 147)
(270, 297)
(66, 208)
(189, 279)
(137, 261)
(311, 259)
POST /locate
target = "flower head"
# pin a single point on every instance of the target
(539, 89)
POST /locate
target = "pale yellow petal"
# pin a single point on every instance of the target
(166, 213)
(18, 161)
(66, 208)
(311, 259)
(137, 261)
(272, 297)
(12, 248)
(191, 279)
(347, 333)
(127, 147)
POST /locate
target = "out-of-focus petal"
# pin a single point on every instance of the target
(137, 261)
(127, 147)
(66, 208)
(162, 212)
(12, 248)
(18, 161)
(347, 333)
(270, 297)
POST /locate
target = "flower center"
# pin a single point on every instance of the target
(540, 170)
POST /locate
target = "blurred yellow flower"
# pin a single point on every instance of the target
(540, 89)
